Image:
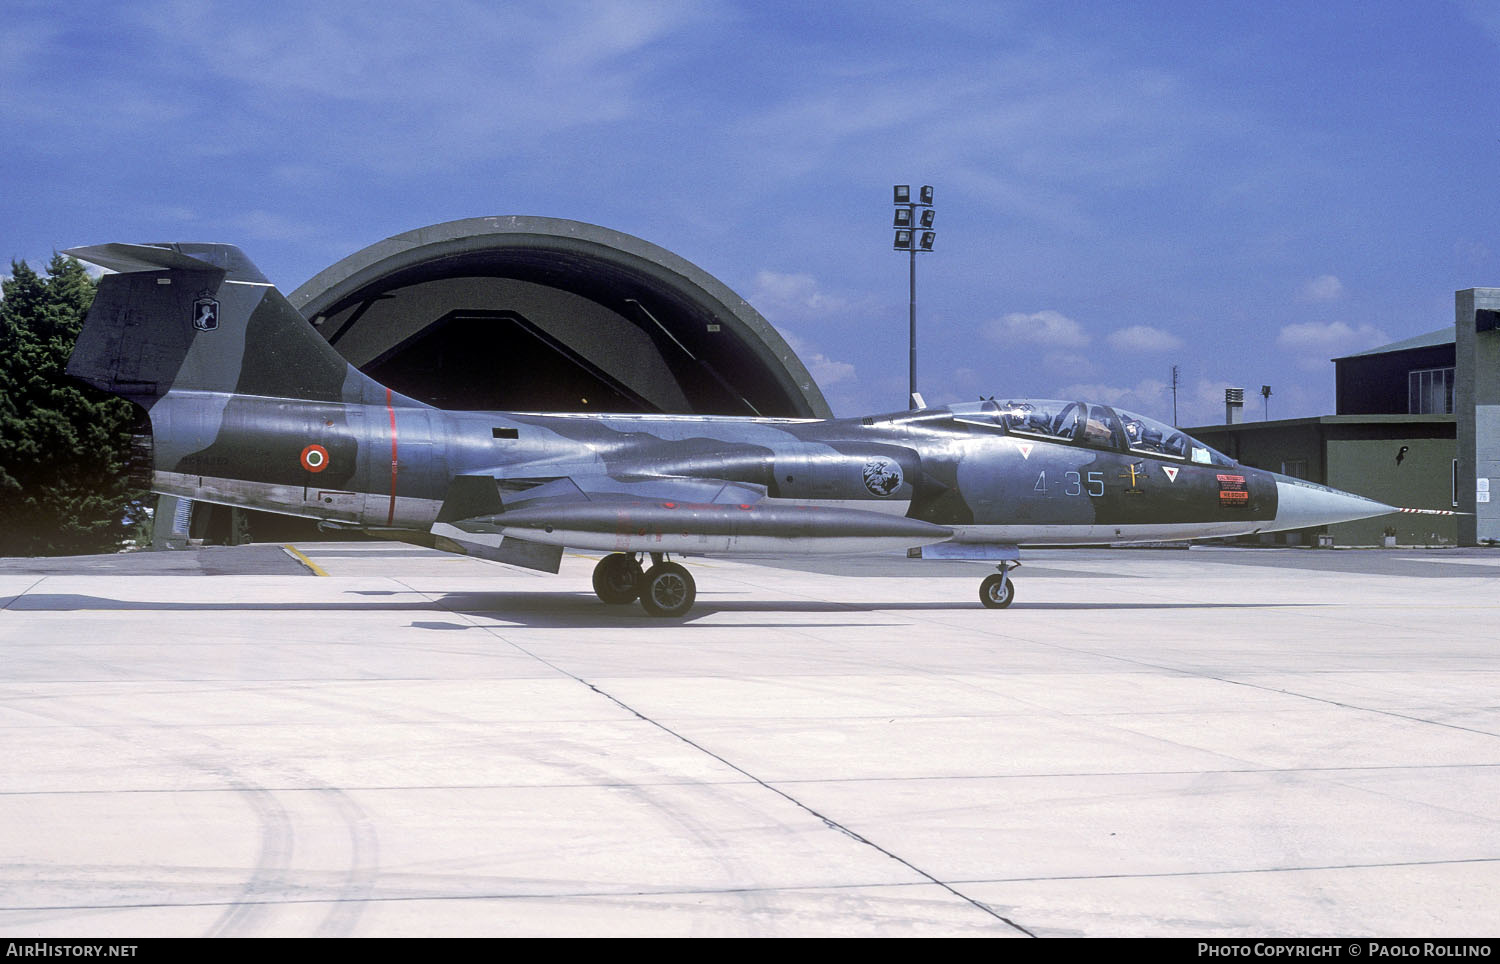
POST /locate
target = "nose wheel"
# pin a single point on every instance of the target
(666, 589)
(998, 591)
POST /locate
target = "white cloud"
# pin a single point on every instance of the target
(1143, 338)
(389, 88)
(1325, 287)
(780, 295)
(1204, 402)
(1042, 328)
(1149, 396)
(825, 371)
(1313, 343)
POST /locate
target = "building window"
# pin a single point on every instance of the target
(1294, 468)
(1430, 392)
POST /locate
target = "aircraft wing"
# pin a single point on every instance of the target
(671, 514)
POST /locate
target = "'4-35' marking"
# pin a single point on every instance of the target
(1075, 483)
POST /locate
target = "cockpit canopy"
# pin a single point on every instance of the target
(1094, 425)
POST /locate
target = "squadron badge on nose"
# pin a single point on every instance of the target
(882, 476)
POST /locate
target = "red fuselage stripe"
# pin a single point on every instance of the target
(390, 515)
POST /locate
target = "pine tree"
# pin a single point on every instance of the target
(64, 448)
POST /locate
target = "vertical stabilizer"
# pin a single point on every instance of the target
(201, 317)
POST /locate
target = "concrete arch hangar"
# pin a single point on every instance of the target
(543, 314)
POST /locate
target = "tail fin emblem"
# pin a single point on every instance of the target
(206, 313)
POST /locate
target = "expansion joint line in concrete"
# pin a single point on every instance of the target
(23, 592)
(827, 821)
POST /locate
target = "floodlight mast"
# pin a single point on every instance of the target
(906, 222)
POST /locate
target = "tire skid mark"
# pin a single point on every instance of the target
(250, 913)
(364, 865)
(708, 836)
(269, 884)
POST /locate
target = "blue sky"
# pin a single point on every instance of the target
(1243, 189)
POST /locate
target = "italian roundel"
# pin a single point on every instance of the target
(315, 458)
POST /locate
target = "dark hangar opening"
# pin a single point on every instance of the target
(535, 314)
(540, 314)
(452, 364)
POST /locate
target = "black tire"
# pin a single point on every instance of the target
(997, 592)
(668, 590)
(618, 578)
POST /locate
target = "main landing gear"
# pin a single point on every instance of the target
(997, 591)
(666, 589)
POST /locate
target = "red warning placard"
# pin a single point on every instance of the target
(1232, 490)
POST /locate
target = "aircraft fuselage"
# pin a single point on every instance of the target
(390, 466)
(250, 407)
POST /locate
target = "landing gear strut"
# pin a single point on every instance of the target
(666, 589)
(997, 591)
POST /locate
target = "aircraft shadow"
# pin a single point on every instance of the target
(572, 610)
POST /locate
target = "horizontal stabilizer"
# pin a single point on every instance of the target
(126, 258)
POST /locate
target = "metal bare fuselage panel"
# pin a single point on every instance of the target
(390, 466)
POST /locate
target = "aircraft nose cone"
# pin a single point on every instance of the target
(1300, 504)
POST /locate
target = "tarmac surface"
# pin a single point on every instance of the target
(374, 739)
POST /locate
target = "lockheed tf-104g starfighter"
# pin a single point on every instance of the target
(250, 407)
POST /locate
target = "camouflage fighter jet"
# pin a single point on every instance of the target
(250, 407)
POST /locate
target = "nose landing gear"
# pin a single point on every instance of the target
(998, 591)
(666, 589)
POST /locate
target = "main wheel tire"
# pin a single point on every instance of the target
(997, 592)
(618, 578)
(668, 590)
